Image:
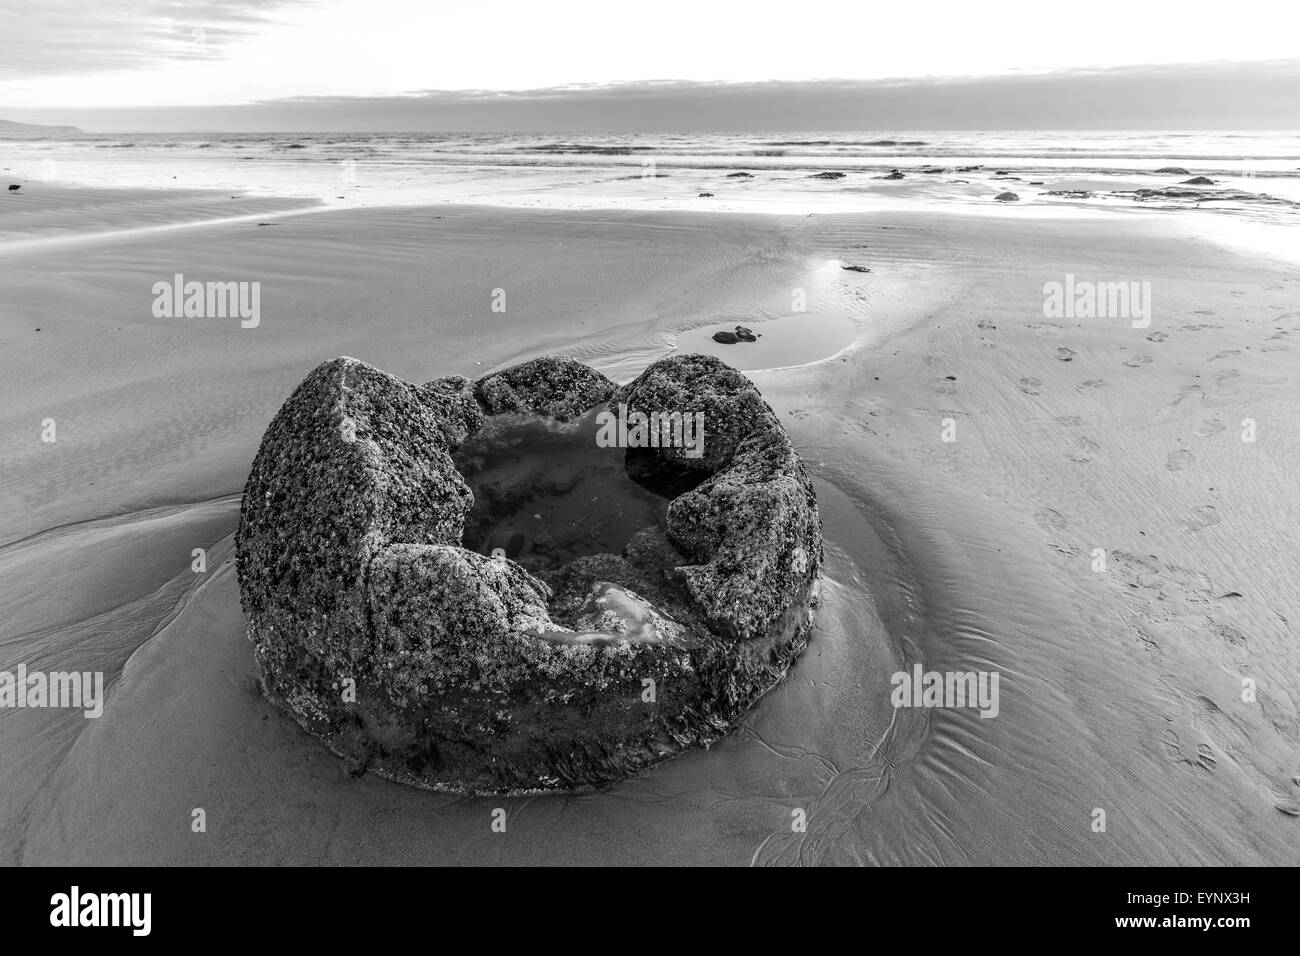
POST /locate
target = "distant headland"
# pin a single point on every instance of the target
(10, 127)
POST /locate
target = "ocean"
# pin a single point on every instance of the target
(671, 170)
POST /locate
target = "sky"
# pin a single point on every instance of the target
(659, 64)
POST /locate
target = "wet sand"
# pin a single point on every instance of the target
(1121, 690)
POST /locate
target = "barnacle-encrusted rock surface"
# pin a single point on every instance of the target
(439, 666)
(751, 527)
(557, 389)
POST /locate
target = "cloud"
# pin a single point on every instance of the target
(63, 37)
(1244, 96)
(1180, 96)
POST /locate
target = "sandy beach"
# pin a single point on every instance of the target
(1171, 447)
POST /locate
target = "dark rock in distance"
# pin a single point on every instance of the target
(854, 268)
(1007, 197)
(741, 175)
(1173, 171)
(1197, 195)
(1198, 181)
(448, 669)
(827, 175)
(706, 195)
(896, 174)
(13, 188)
(739, 334)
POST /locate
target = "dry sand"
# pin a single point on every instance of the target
(1120, 690)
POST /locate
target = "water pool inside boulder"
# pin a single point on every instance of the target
(547, 493)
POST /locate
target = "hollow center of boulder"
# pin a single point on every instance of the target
(548, 493)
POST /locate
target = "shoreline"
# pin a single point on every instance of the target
(179, 209)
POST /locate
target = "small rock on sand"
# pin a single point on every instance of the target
(1007, 197)
(740, 334)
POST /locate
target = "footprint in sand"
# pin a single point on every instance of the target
(1168, 580)
(1202, 517)
(1157, 337)
(943, 387)
(1174, 751)
(986, 344)
(1179, 460)
(1068, 420)
(1138, 361)
(1090, 386)
(1055, 524)
(1186, 391)
(1222, 730)
(1205, 756)
(986, 325)
(1049, 519)
(1065, 355)
(1085, 448)
(1030, 386)
(1046, 330)
(1232, 646)
(1198, 716)
(1203, 312)
(1282, 719)
(1223, 354)
(1210, 427)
